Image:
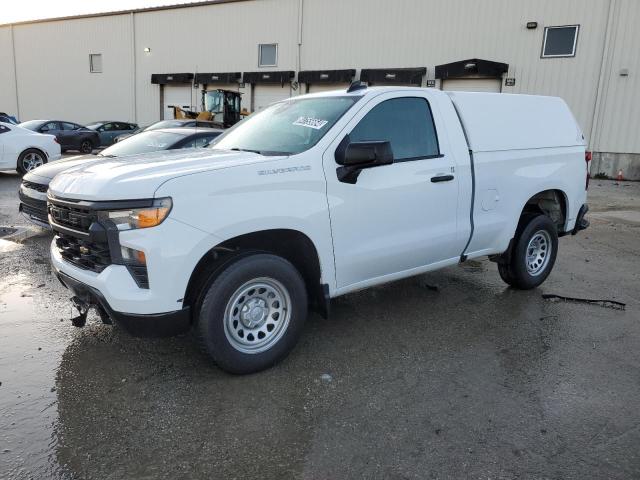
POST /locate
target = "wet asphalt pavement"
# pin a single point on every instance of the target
(447, 375)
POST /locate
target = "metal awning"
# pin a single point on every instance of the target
(472, 67)
(393, 75)
(326, 76)
(225, 77)
(281, 77)
(171, 78)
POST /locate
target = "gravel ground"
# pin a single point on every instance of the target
(446, 375)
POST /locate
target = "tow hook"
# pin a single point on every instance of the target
(83, 309)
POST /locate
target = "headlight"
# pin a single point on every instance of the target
(131, 218)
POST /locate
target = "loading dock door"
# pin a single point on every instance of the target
(179, 95)
(493, 85)
(264, 95)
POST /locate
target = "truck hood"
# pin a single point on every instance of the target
(46, 172)
(140, 176)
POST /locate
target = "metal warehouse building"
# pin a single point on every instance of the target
(132, 65)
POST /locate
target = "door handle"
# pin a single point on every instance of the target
(441, 178)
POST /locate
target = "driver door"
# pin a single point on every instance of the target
(397, 217)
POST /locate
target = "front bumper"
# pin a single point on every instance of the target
(139, 325)
(35, 210)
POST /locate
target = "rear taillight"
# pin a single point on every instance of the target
(587, 159)
(55, 139)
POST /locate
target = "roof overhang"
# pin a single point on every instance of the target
(171, 78)
(281, 77)
(326, 76)
(225, 77)
(393, 75)
(472, 67)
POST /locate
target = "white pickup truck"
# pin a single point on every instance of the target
(312, 198)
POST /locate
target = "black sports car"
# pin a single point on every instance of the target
(70, 136)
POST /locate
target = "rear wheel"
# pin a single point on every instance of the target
(252, 314)
(86, 146)
(30, 159)
(533, 255)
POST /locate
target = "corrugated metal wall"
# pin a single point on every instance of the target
(214, 38)
(52, 63)
(7, 79)
(618, 124)
(54, 79)
(418, 33)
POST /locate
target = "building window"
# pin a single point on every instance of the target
(268, 55)
(95, 62)
(560, 41)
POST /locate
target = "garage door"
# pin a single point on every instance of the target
(265, 95)
(473, 85)
(179, 95)
(325, 87)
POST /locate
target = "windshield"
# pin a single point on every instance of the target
(144, 142)
(288, 127)
(31, 124)
(164, 124)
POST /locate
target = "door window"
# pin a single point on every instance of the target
(405, 122)
(69, 126)
(48, 127)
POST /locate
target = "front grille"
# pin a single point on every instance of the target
(84, 253)
(72, 217)
(35, 186)
(39, 214)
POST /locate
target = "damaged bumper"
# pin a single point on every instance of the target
(152, 325)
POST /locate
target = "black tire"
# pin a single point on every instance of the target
(517, 272)
(219, 335)
(86, 146)
(25, 160)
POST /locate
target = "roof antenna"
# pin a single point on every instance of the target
(356, 85)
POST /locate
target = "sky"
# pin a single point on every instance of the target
(21, 10)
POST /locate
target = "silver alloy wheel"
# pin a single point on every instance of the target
(32, 160)
(257, 315)
(538, 252)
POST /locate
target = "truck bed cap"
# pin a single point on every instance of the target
(500, 121)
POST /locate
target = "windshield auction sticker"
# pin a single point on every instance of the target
(310, 122)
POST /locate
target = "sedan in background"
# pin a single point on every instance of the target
(170, 124)
(109, 130)
(33, 190)
(24, 150)
(71, 136)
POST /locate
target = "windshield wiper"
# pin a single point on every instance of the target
(236, 149)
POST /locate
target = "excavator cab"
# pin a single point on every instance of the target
(223, 105)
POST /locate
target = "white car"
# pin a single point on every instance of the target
(23, 150)
(312, 198)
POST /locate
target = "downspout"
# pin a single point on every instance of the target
(299, 53)
(134, 67)
(603, 79)
(15, 74)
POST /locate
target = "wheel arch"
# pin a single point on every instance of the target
(31, 147)
(293, 245)
(552, 202)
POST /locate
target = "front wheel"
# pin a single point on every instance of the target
(533, 255)
(30, 159)
(252, 314)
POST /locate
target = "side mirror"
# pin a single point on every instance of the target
(356, 156)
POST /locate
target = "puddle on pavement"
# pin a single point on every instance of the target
(30, 351)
